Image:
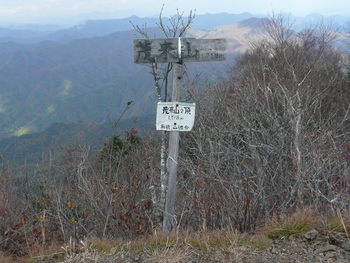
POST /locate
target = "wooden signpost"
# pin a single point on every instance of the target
(176, 51)
(166, 50)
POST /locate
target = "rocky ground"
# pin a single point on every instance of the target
(310, 247)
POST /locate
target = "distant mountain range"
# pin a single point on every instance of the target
(85, 79)
(86, 73)
(30, 34)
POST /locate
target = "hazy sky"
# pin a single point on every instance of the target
(38, 11)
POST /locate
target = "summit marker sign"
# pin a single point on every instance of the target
(176, 116)
(166, 50)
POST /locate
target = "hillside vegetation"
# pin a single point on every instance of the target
(271, 141)
(80, 81)
(87, 80)
(91, 77)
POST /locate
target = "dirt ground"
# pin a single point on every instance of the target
(311, 247)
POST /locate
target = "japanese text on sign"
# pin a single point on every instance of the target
(167, 50)
(175, 116)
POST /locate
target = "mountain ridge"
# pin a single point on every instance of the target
(31, 34)
(37, 80)
(91, 79)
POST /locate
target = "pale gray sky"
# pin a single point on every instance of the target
(39, 11)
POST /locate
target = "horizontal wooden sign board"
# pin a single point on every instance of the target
(166, 50)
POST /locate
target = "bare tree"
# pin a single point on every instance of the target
(305, 70)
(258, 138)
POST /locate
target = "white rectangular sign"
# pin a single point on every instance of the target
(175, 116)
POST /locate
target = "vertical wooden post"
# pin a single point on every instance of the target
(169, 213)
(164, 51)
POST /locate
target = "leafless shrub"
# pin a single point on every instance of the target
(274, 137)
(269, 141)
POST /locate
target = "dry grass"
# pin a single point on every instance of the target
(159, 247)
(339, 223)
(6, 259)
(306, 220)
(103, 245)
(183, 245)
(297, 224)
